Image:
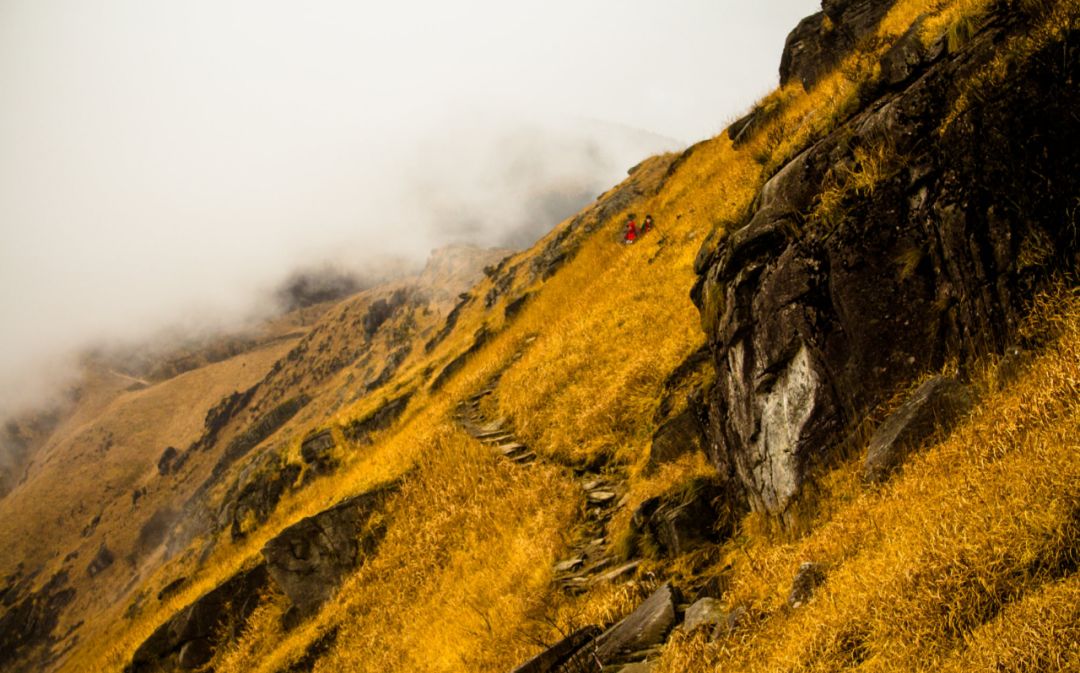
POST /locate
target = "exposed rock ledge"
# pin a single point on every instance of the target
(813, 322)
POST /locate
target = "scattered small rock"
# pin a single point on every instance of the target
(569, 565)
(601, 497)
(165, 462)
(809, 577)
(317, 451)
(731, 621)
(645, 627)
(101, 561)
(705, 612)
(621, 571)
(937, 404)
(562, 652)
(171, 588)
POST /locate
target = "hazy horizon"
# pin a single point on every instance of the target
(171, 163)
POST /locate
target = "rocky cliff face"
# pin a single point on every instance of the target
(820, 40)
(817, 311)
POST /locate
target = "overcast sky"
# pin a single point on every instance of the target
(164, 160)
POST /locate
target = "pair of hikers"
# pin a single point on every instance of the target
(631, 234)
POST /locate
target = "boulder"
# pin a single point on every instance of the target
(814, 318)
(561, 653)
(686, 517)
(101, 561)
(310, 558)
(678, 436)
(317, 451)
(705, 612)
(936, 405)
(682, 415)
(645, 627)
(730, 623)
(165, 462)
(807, 579)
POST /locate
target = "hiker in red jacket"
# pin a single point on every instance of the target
(631, 230)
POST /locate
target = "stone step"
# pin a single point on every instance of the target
(491, 429)
(512, 449)
(593, 569)
(569, 565)
(524, 458)
(498, 439)
(601, 497)
(624, 570)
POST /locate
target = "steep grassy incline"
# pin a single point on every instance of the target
(589, 354)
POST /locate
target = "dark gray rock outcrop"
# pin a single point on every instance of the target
(479, 339)
(317, 452)
(705, 612)
(190, 637)
(679, 435)
(681, 418)
(29, 620)
(101, 561)
(909, 55)
(815, 317)
(689, 516)
(645, 627)
(263, 427)
(809, 577)
(821, 40)
(361, 429)
(309, 559)
(165, 462)
(255, 493)
(561, 656)
(934, 406)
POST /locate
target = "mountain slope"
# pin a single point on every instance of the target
(509, 473)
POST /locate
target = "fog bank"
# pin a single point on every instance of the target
(166, 165)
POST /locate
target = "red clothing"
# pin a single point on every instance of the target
(631, 232)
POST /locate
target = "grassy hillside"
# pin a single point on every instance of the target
(965, 561)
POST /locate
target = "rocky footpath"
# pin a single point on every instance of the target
(816, 314)
(589, 561)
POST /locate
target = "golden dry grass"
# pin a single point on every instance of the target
(963, 560)
(927, 572)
